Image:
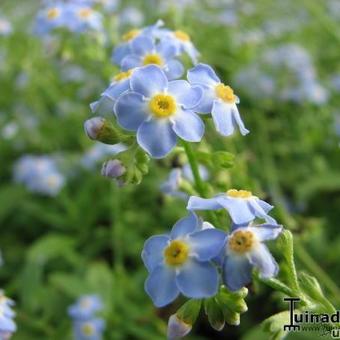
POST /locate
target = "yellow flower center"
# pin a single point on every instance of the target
(130, 35)
(176, 253)
(241, 241)
(87, 329)
(225, 92)
(239, 193)
(153, 58)
(182, 36)
(122, 75)
(162, 105)
(84, 13)
(53, 13)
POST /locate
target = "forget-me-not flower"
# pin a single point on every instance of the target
(219, 100)
(244, 250)
(159, 110)
(89, 329)
(183, 43)
(85, 307)
(125, 48)
(144, 51)
(120, 84)
(242, 206)
(180, 262)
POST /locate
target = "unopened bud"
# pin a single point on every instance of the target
(101, 129)
(113, 168)
(177, 328)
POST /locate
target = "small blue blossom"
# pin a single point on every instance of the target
(172, 185)
(7, 325)
(144, 51)
(120, 84)
(177, 328)
(181, 262)
(159, 111)
(89, 329)
(245, 250)
(242, 206)
(218, 99)
(85, 307)
(86, 325)
(125, 48)
(183, 44)
(39, 174)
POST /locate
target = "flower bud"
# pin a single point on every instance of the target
(177, 328)
(101, 129)
(113, 168)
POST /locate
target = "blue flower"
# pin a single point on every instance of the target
(172, 185)
(144, 51)
(39, 174)
(181, 262)
(85, 307)
(219, 100)
(91, 329)
(125, 48)
(159, 111)
(183, 44)
(242, 206)
(177, 328)
(119, 85)
(7, 325)
(244, 250)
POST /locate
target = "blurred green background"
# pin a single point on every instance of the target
(89, 237)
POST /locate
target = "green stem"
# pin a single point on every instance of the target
(194, 168)
(199, 185)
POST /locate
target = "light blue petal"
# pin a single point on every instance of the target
(116, 89)
(237, 272)
(238, 209)
(188, 126)
(130, 109)
(206, 244)
(185, 94)
(261, 258)
(166, 49)
(265, 232)
(198, 203)
(184, 226)
(152, 254)
(148, 80)
(223, 118)
(130, 61)
(203, 74)
(259, 211)
(142, 45)
(198, 280)
(237, 119)
(206, 103)
(161, 286)
(156, 137)
(172, 183)
(120, 52)
(174, 69)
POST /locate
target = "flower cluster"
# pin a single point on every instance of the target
(39, 174)
(75, 16)
(85, 323)
(7, 325)
(186, 260)
(148, 99)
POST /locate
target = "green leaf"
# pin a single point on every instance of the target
(274, 325)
